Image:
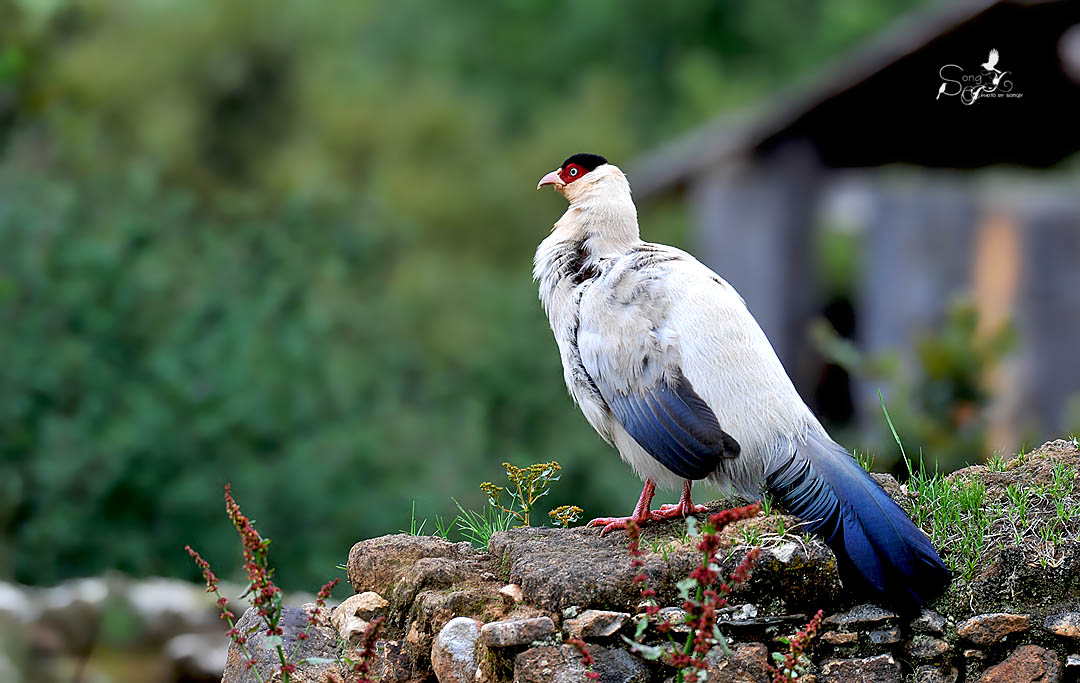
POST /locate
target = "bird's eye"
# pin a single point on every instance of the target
(573, 171)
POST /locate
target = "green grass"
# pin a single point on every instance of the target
(478, 527)
(965, 519)
(997, 462)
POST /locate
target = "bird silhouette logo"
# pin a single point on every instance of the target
(988, 83)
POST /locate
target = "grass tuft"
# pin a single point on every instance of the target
(965, 518)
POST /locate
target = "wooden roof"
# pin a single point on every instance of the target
(877, 105)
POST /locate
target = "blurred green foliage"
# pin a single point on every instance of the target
(288, 245)
(939, 401)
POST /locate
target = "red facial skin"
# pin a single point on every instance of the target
(571, 173)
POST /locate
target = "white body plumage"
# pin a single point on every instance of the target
(625, 312)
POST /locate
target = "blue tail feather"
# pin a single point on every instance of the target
(876, 545)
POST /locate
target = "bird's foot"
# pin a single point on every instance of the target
(612, 523)
(680, 510)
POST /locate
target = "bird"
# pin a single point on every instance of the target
(991, 61)
(940, 90)
(668, 365)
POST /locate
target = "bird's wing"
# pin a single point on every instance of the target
(992, 60)
(629, 346)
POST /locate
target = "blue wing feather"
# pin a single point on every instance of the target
(675, 426)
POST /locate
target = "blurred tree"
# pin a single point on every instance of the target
(288, 245)
(940, 409)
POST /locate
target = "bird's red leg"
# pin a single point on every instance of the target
(640, 516)
(684, 508)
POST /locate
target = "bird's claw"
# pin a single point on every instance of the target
(612, 523)
(676, 511)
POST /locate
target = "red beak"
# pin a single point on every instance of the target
(552, 179)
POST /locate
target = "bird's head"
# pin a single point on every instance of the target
(578, 173)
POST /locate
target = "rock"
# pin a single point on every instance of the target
(558, 568)
(748, 663)
(429, 573)
(927, 647)
(861, 618)
(933, 674)
(391, 664)
(321, 643)
(562, 664)
(885, 637)
(676, 616)
(1013, 579)
(595, 623)
(988, 629)
(879, 669)
(433, 607)
(377, 564)
(454, 654)
(516, 631)
(840, 638)
(740, 612)
(1066, 624)
(512, 592)
(167, 607)
(1072, 665)
(350, 618)
(749, 629)
(1026, 664)
(16, 603)
(197, 656)
(72, 611)
(929, 621)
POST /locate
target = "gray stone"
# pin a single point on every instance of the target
(16, 603)
(167, 607)
(880, 669)
(933, 674)
(321, 643)
(197, 656)
(1072, 664)
(1066, 624)
(889, 636)
(73, 610)
(562, 664)
(595, 623)
(929, 621)
(351, 617)
(558, 568)
(676, 616)
(377, 564)
(740, 612)
(927, 647)
(454, 654)
(861, 618)
(988, 629)
(516, 631)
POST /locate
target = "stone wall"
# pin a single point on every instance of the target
(456, 614)
(167, 630)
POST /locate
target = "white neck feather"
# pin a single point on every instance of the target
(601, 222)
(601, 212)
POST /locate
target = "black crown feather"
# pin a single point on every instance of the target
(587, 161)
